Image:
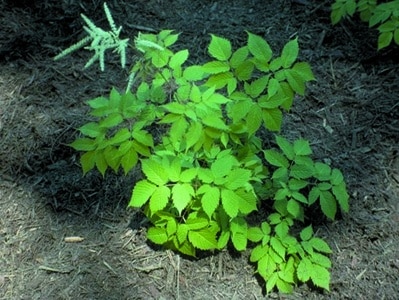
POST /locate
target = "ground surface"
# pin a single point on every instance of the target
(44, 198)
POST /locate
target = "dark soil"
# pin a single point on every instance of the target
(350, 115)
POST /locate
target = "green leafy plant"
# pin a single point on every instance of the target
(385, 14)
(196, 133)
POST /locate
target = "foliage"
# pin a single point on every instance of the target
(195, 131)
(386, 14)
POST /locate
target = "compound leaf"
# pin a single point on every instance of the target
(320, 277)
(276, 159)
(210, 200)
(328, 204)
(341, 195)
(304, 269)
(154, 171)
(216, 67)
(230, 202)
(301, 147)
(255, 234)
(178, 59)
(272, 118)
(159, 198)
(259, 48)
(320, 245)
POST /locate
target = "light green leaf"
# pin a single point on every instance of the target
(182, 232)
(203, 239)
(304, 269)
(214, 121)
(239, 56)
(277, 246)
(266, 266)
(188, 175)
(314, 194)
(101, 162)
(178, 59)
(258, 253)
(273, 87)
(283, 286)
(259, 48)
(238, 178)
(254, 119)
(210, 200)
(306, 233)
(129, 160)
(111, 121)
(159, 199)
(121, 136)
(303, 70)
(222, 166)
(286, 147)
(182, 195)
(142, 192)
(88, 161)
(244, 71)
(155, 172)
(255, 234)
(289, 53)
(320, 277)
(295, 209)
(223, 239)
(239, 241)
(275, 158)
(157, 235)
(196, 223)
(194, 73)
(215, 67)
(219, 48)
(230, 202)
(322, 171)
(257, 86)
(143, 137)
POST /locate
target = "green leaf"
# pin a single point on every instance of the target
(194, 73)
(238, 178)
(182, 195)
(301, 171)
(328, 204)
(111, 121)
(295, 209)
(214, 121)
(320, 277)
(384, 39)
(219, 48)
(223, 239)
(244, 71)
(159, 199)
(306, 233)
(254, 119)
(210, 200)
(155, 172)
(129, 160)
(215, 67)
(239, 56)
(203, 239)
(188, 175)
(341, 195)
(101, 163)
(239, 241)
(259, 48)
(142, 192)
(314, 194)
(258, 253)
(157, 235)
(336, 177)
(99, 102)
(266, 266)
(122, 135)
(143, 137)
(320, 245)
(283, 286)
(273, 87)
(322, 171)
(92, 130)
(257, 86)
(181, 233)
(178, 59)
(277, 246)
(223, 165)
(304, 269)
(303, 70)
(289, 53)
(230, 202)
(88, 161)
(84, 144)
(196, 223)
(273, 119)
(301, 147)
(255, 234)
(286, 147)
(275, 158)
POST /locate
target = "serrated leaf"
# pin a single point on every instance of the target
(301, 171)
(159, 199)
(259, 48)
(336, 177)
(129, 160)
(244, 71)
(238, 178)
(223, 239)
(142, 192)
(286, 147)
(111, 121)
(92, 130)
(278, 247)
(194, 73)
(210, 200)
(304, 269)
(143, 137)
(320, 277)
(275, 158)
(88, 161)
(258, 253)
(222, 166)
(122, 135)
(295, 81)
(178, 59)
(321, 260)
(181, 233)
(254, 119)
(182, 195)
(216, 67)
(272, 118)
(303, 70)
(203, 239)
(322, 171)
(306, 233)
(99, 102)
(283, 286)
(297, 184)
(230, 202)
(84, 144)
(247, 202)
(214, 121)
(328, 204)
(320, 245)
(239, 56)
(314, 194)
(188, 175)
(154, 171)
(257, 86)
(255, 234)
(101, 162)
(301, 147)
(196, 223)
(157, 235)
(273, 87)
(219, 48)
(266, 266)
(239, 241)
(289, 53)
(295, 209)
(341, 195)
